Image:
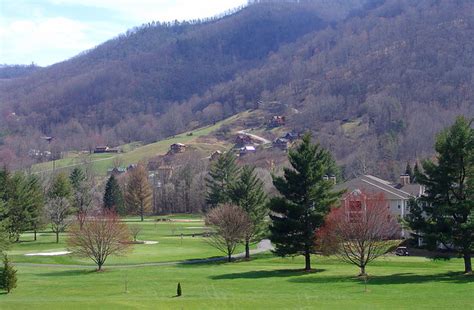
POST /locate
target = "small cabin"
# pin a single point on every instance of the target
(177, 148)
(116, 171)
(215, 155)
(242, 140)
(277, 121)
(281, 143)
(291, 136)
(105, 149)
(249, 149)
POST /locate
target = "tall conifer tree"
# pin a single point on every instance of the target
(248, 193)
(306, 198)
(81, 192)
(36, 206)
(409, 171)
(113, 196)
(445, 214)
(7, 275)
(222, 175)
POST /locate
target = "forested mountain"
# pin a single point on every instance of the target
(373, 79)
(15, 71)
(145, 69)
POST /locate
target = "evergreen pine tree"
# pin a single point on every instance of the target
(445, 214)
(4, 240)
(306, 198)
(178, 290)
(247, 192)
(18, 206)
(36, 206)
(8, 276)
(222, 175)
(416, 172)
(60, 187)
(113, 196)
(81, 194)
(409, 171)
(77, 178)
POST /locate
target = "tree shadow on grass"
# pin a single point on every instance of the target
(398, 278)
(281, 273)
(67, 273)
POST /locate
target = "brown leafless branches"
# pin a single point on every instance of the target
(359, 231)
(231, 224)
(101, 235)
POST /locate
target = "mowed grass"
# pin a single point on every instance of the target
(102, 162)
(177, 240)
(266, 282)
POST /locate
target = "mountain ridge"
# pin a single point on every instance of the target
(402, 70)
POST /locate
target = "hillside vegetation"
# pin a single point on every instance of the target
(396, 71)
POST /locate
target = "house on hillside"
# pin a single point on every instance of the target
(116, 171)
(277, 121)
(105, 149)
(215, 155)
(291, 136)
(176, 148)
(249, 149)
(281, 143)
(242, 140)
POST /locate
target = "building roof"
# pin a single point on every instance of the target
(416, 190)
(248, 148)
(281, 140)
(374, 185)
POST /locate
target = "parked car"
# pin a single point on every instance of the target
(402, 251)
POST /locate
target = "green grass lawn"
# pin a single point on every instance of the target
(134, 153)
(263, 283)
(266, 282)
(171, 245)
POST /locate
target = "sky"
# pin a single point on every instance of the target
(50, 31)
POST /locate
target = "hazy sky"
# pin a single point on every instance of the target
(49, 31)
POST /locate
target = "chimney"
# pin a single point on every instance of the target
(404, 179)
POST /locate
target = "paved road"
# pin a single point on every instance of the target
(263, 246)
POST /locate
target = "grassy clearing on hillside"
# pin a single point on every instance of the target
(134, 154)
(263, 283)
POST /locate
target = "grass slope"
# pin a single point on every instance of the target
(171, 245)
(101, 162)
(264, 283)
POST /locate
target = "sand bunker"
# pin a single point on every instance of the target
(49, 253)
(150, 242)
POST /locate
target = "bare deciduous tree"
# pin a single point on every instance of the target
(57, 211)
(101, 235)
(138, 193)
(231, 224)
(135, 230)
(359, 231)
